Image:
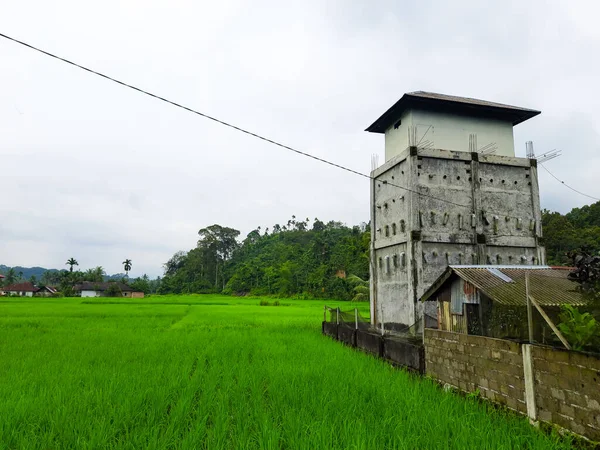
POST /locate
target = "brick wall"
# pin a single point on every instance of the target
(567, 389)
(493, 366)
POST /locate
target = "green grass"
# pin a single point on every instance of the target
(218, 373)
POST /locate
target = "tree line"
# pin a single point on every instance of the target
(576, 231)
(311, 259)
(65, 280)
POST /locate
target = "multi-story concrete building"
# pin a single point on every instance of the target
(451, 191)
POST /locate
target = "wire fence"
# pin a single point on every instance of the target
(354, 320)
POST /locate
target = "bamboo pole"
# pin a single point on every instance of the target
(549, 322)
(529, 312)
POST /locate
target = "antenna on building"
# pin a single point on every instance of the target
(488, 149)
(543, 157)
(549, 155)
(374, 161)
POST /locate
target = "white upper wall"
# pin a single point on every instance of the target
(449, 132)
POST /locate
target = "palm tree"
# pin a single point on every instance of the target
(71, 262)
(11, 276)
(127, 266)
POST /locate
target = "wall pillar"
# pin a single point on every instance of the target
(529, 382)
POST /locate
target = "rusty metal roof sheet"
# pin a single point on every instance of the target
(453, 104)
(549, 286)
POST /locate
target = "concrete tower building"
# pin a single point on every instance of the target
(451, 191)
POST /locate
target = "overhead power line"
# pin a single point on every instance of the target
(566, 185)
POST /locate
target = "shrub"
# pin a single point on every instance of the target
(579, 329)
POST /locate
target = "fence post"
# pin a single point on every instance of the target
(529, 382)
(356, 318)
(382, 329)
(324, 313)
(337, 313)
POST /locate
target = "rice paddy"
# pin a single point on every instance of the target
(215, 372)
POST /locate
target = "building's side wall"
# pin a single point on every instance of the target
(392, 282)
(458, 208)
(20, 293)
(90, 294)
(494, 367)
(451, 131)
(396, 138)
(567, 389)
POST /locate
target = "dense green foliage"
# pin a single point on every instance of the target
(295, 259)
(215, 372)
(563, 234)
(580, 329)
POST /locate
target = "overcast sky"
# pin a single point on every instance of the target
(98, 172)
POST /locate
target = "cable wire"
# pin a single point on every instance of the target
(565, 184)
(222, 122)
(242, 130)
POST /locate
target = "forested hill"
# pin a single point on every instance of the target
(578, 229)
(314, 259)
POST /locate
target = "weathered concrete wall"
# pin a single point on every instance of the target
(460, 208)
(404, 353)
(347, 335)
(470, 363)
(567, 389)
(369, 342)
(330, 329)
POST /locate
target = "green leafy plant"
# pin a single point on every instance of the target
(474, 395)
(580, 329)
(360, 288)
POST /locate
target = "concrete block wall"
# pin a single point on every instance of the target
(562, 387)
(470, 363)
(567, 388)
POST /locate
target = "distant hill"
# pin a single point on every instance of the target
(28, 272)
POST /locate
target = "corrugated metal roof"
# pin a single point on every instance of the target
(451, 103)
(550, 287)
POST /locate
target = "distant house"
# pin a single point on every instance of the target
(491, 300)
(25, 289)
(91, 289)
(46, 291)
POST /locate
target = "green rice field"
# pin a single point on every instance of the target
(215, 372)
